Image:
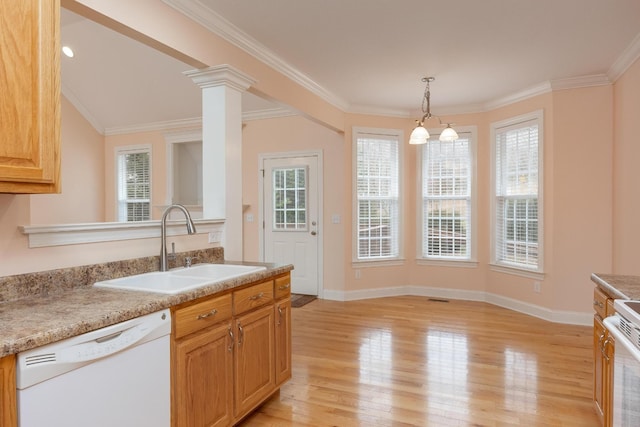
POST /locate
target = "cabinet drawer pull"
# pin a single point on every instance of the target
(598, 303)
(209, 314)
(604, 349)
(283, 287)
(280, 311)
(230, 348)
(240, 334)
(256, 297)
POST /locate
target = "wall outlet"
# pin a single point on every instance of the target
(358, 274)
(536, 287)
(215, 237)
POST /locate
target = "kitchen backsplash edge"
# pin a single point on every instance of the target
(26, 285)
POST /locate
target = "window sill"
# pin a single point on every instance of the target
(72, 234)
(381, 263)
(517, 271)
(447, 263)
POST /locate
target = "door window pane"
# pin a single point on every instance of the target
(290, 199)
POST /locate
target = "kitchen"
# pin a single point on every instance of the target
(589, 203)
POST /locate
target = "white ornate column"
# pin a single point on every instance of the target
(222, 88)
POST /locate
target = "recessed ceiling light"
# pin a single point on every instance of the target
(67, 51)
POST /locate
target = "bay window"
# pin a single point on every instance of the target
(377, 188)
(517, 193)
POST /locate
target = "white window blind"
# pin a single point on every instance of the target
(446, 199)
(517, 185)
(377, 187)
(134, 183)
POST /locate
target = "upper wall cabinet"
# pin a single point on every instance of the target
(29, 96)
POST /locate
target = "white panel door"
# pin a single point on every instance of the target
(291, 218)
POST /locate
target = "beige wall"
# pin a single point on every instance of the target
(82, 197)
(297, 134)
(82, 200)
(577, 201)
(626, 172)
(587, 166)
(581, 235)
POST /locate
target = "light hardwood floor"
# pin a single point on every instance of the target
(412, 361)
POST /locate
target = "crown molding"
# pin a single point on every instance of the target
(229, 32)
(195, 122)
(221, 75)
(379, 111)
(155, 126)
(536, 90)
(268, 113)
(580, 82)
(625, 60)
(71, 97)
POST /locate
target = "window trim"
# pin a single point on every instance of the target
(441, 261)
(537, 117)
(385, 133)
(132, 149)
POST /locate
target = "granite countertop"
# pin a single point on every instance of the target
(45, 318)
(618, 286)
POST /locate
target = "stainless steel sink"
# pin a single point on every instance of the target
(180, 280)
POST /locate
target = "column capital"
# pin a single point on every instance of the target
(221, 75)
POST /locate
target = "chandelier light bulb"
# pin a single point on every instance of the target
(448, 134)
(420, 135)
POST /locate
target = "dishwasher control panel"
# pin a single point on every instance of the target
(39, 364)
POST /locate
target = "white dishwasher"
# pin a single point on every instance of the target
(114, 376)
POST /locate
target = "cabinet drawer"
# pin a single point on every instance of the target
(610, 310)
(252, 297)
(202, 315)
(600, 302)
(283, 286)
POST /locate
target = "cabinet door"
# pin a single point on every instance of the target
(283, 340)
(599, 335)
(254, 362)
(30, 100)
(8, 416)
(203, 379)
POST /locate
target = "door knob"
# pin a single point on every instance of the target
(313, 233)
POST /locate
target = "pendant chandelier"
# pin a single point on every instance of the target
(420, 134)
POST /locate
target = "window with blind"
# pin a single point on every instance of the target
(377, 189)
(446, 193)
(134, 183)
(517, 210)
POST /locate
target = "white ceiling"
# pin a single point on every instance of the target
(121, 85)
(369, 55)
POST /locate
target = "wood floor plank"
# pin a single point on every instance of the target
(411, 361)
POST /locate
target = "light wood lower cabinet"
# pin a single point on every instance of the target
(283, 340)
(229, 354)
(204, 379)
(603, 354)
(254, 360)
(8, 409)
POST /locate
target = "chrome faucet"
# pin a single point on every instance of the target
(191, 229)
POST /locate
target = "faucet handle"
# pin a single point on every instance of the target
(188, 261)
(172, 255)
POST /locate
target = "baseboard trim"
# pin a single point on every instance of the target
(556, 316)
